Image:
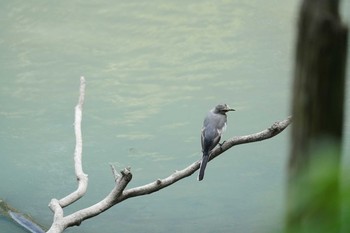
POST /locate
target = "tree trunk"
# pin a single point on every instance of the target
(318, 112)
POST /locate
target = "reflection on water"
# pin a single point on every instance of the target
(153, 70)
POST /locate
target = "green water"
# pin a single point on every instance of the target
(153, 70)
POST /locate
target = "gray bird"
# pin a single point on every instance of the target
(213, 126)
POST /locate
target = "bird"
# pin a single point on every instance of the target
(213, 126)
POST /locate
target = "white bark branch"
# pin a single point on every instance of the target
(82, 178)
(118, 193)
(57, 205)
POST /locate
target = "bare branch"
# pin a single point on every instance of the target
(118, 193)
(82, 178)
(57, 205)
(110, 200)
(272, 131)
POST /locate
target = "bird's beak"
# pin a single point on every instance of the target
(229, 109)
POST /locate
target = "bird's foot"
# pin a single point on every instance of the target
(220, 145)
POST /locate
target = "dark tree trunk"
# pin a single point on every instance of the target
(318, 111)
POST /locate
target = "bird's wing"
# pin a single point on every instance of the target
(215, 142)
(209, 139)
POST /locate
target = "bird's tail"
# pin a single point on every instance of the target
(204, 162)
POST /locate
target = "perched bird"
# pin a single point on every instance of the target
(213, 126)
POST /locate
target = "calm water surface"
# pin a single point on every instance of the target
(153, 70)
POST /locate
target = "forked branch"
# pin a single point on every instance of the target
(119, 193)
